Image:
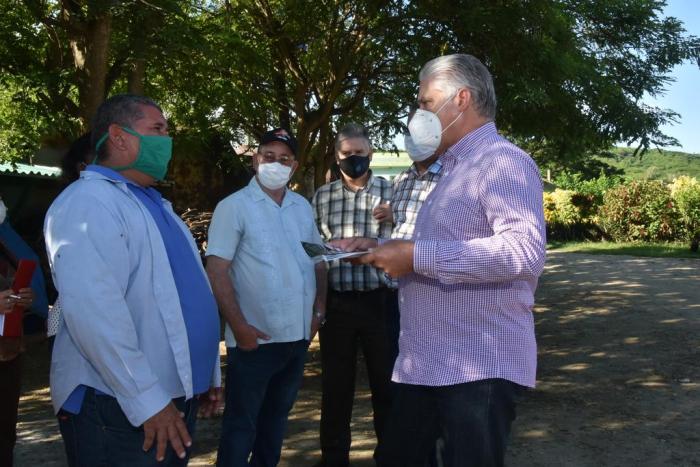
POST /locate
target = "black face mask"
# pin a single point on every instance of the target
(354, 166)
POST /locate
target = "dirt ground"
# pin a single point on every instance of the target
(618, 378)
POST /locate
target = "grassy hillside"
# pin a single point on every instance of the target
(655, 164)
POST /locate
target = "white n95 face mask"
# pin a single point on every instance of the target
(274, 175)
(425, 133)
(3, 211)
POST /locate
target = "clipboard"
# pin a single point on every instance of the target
(11, 323)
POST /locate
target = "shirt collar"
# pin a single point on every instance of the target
(433, 168)
(117, 177)
(259, 195)
(368, 185)
(109, 173)
(471, 141)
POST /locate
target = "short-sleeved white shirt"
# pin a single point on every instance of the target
(272, 275)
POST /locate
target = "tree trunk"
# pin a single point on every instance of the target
(90, 53)
(136, 81)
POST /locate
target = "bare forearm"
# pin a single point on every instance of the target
(225, 295)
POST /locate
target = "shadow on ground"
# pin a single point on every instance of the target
(618, 378)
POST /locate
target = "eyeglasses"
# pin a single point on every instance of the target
(269, 157)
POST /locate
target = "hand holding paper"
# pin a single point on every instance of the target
(328, 252)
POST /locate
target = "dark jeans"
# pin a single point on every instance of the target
(261, 387)
(101, 435)
(473, 421)
(393, 323)
(352, 319)
(10, 375)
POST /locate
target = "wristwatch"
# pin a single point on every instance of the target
(321, 316)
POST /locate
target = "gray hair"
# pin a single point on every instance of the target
(123, 110)
(464, 71)
(350, 131)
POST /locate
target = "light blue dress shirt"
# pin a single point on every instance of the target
(272, 275)
(122, 331)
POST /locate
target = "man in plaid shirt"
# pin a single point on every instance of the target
(356, 295)
(411, 188)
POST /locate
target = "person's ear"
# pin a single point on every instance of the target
(116, 137)
(464, 99)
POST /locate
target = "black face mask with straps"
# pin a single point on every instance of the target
(354, 166)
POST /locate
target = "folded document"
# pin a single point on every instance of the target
(328, 252)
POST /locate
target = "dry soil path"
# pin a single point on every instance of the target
(618, 379)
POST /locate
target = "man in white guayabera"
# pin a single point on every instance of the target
(272, 297)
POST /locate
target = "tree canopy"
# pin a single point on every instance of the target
(570, 75)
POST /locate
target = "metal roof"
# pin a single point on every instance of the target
(27, 170)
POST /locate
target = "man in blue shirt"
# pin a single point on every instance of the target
(137, 347)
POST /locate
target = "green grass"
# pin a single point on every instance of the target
(655, 164)
(656, 250)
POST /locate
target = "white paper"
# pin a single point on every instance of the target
(327, 252)
(340, 255)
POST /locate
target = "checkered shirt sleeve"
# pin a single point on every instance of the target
(410, 191)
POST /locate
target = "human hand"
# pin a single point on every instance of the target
(382, 213)
(247, 336)
(354, 243)
(210, 402)
(395, 257)
(27, 297)
(7, 303)
(316, 323)
(166, 427)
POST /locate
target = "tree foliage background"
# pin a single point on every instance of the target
(570, 75)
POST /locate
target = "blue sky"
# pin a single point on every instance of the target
(683, 95)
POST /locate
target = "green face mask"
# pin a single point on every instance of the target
(153, 157)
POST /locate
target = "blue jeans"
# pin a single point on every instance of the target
(261, 387)
(393, 324)
(101, 435)
(472, 421)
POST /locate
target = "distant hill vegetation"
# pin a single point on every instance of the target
(654, 164)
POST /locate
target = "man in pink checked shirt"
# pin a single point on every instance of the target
(466, 279)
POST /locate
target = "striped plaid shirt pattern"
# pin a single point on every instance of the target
(343, 213)
(466, 312)
(410, 191)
